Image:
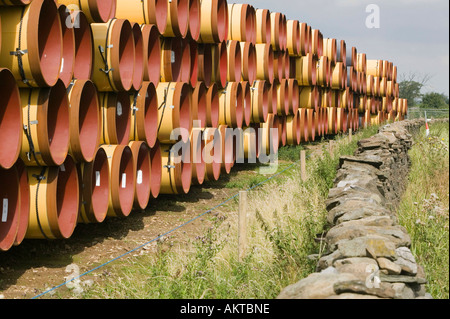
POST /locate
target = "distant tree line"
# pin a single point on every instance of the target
(410, 87)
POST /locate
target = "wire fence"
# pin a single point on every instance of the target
(167, 233)
(418, 112)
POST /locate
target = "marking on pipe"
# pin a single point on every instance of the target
(97, 178)
(172, 56)
(119, 109)
(5, 210)
(124, 180)
(63, 168)
(139, 177)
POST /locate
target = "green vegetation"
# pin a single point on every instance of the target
(424, 209)
(285, 216)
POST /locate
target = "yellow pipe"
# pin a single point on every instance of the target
(94, 188)
(214, 21)
(176, 177)
(54, 201)
(115, 118)
(92, 10)
(114, 57)
(231, 105)
(174, 101)
(36, 43)
(264, 62)
(122, 179)
(46, 136)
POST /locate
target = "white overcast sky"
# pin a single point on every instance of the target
(413, 34)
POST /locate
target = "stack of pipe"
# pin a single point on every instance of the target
(106, 104)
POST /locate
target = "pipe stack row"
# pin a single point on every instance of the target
(106, 104)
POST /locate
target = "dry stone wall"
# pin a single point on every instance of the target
(368, 253)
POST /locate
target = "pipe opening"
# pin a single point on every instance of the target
(67, 198)
(10, 119)
(122, 117)
(9, 197)
(100, 185)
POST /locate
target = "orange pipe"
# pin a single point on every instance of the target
(220, 63)
(177, 24)
(212, 153)
(33, 33)
(10, 119)
(175, 60)
(317, 43)
(282, 130)
(68, 43)
(293, 38)
(94, 188)
(205, 64)
(309, 97)
(332, 120)
(306, 72)
(248, 59)
(263, 26)
(259, 93)
(305, 34)
(144, 115)
(98, 11)
(122, 177)
(114, 55)
(265, 62)
(330, 49)
(234, 61)
(241, 26)
(174, 101)
(293, 95)
(84, 47)
(54, 198)
(269, 135)
(143, 167)
(341, 52)
(46, 134)
(152, 53)
(199, 105)
(214, 21)
(24, 202)
(115, 118)
(311, 125)
(156, 172)
(303, 125)
(84, 121)
(176, 171)
(231, 105)
(194, 19)
(212, 106)
(194, 63)
(138, 70)
(283, 106)
(11, 212)
(247, 97)
(197, 161)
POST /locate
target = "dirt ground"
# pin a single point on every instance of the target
(38, 265)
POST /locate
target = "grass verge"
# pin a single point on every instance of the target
(284, 217)
(424, 209)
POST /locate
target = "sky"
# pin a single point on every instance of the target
(413, 34)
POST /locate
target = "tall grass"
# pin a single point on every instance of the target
(424, 209)
(284, 217)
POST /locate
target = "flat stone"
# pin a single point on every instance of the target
(315, 286)
(406, 260)
(345, 230)
(354, 196)
(357, 247)
(360, 287)
(373, 160)
(402, 278)
(391, 267)
(357, 266)
(354, 210)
